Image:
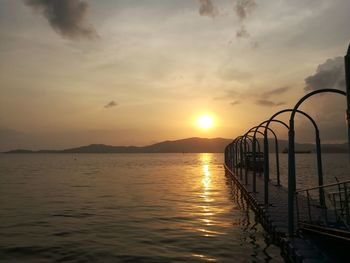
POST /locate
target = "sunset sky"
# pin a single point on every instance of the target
(137, 72)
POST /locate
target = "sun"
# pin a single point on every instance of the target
(205, 122)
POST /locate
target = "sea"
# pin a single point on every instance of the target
(135, 208)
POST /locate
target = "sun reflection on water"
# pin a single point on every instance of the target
(204, 257)
(206, 193)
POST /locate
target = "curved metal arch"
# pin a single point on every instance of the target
(290, 110)
(232, 153)
(318, 144)
(247, 133)
(257, 131)
(241, 151)
(227, 156)
(266, 158)
(236, 153)
(276, 151)
(252, 140)
(297, 105)
(291, 157)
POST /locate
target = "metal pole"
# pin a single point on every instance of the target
(254, 165)
(277, 163)
(233, 157)
(291, 177)
(319, 169)
(347, 79)
(245, 162)
(241, 164)
(236, 159)
(266, 169)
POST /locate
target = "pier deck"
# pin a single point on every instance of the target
(274, 219)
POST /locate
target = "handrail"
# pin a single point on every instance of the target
(322, 186)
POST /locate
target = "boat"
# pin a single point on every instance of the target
(285, 150)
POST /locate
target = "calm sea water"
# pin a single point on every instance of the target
(131, 208)
(335, 166)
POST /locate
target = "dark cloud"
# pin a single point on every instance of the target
(207, 8)
(330, 74)
(236, 102)
(242, 33)
(111, 104)
(244, 8)
(268, 103)
(328, 110)
(67, 17)
(277, 91)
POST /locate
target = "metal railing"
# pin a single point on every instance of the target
(334, 213)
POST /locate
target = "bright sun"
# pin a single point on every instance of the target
(205, 122)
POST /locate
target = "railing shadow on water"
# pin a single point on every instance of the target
(249, 225)
(244, 153)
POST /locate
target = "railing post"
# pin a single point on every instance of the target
(254, 164)
(277, 163)
(245, 162)
(340, 200)
(266, 169)
(297, 205)
(347, 210)
(347, 79)
(291, 177)
(308, 206)
(236, 159)
(241, 164)
(319, 169)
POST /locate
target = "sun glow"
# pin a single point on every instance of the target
(205, 122)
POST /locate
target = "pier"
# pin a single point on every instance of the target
(305, 223)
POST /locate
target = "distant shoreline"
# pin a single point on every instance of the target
(189, 145)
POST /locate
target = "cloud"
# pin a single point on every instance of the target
(229, 95)
(207, 8)
(277, 91)
(328, 111)
(330, 74)
(229, 73)
(67, 17)
(236, 102)
(244, 8)
(242, 33)
(268, 103)
(254, 44)
(111, 104)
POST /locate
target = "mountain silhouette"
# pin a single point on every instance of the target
(189, 145)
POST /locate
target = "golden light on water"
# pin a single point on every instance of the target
(206, 210)
(206, 178)
(204, 257)
(206, 185)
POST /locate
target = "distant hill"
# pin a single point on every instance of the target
(190, 145)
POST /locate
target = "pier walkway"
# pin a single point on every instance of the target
(274, 218)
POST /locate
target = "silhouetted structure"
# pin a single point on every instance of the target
(322, 210)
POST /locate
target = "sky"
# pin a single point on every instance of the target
(123, 72)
